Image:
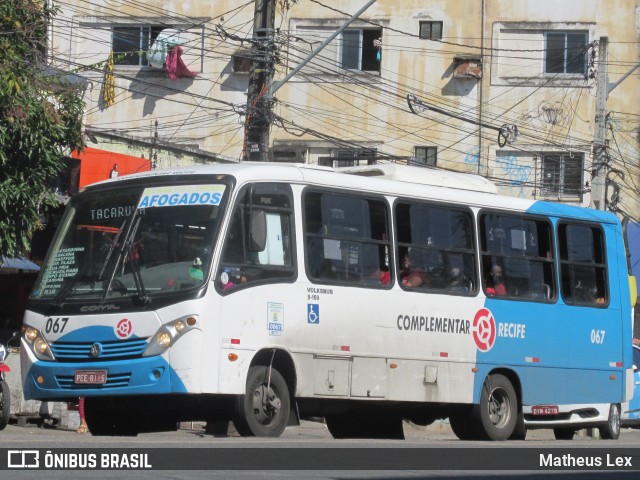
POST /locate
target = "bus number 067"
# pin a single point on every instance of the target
(56, 326)
(597, 336)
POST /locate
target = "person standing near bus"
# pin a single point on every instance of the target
(83, 423)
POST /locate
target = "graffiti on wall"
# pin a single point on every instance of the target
(517, 174)
(547, 115)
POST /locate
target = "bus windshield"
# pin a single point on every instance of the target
(135, 241)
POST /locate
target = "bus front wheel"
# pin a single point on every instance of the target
(5, 404)
(497, 414)
(263, 411)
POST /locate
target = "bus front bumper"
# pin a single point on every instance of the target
(54, 380)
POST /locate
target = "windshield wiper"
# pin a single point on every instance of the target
(141, 296)
(127, 252)
(71, 282)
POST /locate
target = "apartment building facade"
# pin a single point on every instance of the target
(507, 89)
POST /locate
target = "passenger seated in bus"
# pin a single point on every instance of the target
(495, 282)
(384, 275)
(458, 281)
(412, 276)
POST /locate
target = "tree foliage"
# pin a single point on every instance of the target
(40, 122)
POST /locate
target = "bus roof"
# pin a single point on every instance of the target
(394, 180)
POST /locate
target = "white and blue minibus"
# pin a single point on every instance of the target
(264, 293)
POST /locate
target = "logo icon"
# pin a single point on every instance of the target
(23, 459)
(96, 350)
(124, 328)
(484, 330)
(314, 313)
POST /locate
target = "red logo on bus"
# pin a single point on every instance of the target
(124, 328)
(484, 330)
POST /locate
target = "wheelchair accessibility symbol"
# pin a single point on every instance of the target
(314, 313)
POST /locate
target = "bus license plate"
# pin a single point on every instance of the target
(545, 410)
(91, 377)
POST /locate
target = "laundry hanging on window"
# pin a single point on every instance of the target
(174, 65)
(165, 53)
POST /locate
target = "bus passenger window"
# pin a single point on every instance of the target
(346, 239)
(436, 248)
(517, 258)
(583, 264)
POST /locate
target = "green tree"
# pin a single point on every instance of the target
(40, 122)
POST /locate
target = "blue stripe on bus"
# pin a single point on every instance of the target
(550, 372)
(147, 375)
(572, 212)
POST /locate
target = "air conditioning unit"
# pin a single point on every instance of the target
(467, 66)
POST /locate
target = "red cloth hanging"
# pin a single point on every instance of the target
(174, 64)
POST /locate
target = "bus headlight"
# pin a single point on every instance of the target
(30, 334)
(38, 344)
(163, 339)
(169, 333)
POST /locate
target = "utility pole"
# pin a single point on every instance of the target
(259, 100)
(261, 85)
(600, 156)
(601, 166)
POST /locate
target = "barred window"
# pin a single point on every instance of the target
(562, 174)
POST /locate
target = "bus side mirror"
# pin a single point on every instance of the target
(258, 231)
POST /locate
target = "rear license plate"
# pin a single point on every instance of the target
(91, 377)
(545, 410)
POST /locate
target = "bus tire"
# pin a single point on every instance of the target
(520, 431)
(5, 404)
(497, 414)
(564, 433)
(263, 411)
(611, 429)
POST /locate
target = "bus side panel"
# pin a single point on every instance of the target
(564, 354)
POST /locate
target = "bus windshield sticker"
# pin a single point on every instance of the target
(181, 195)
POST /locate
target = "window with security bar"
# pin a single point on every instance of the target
(562, 174)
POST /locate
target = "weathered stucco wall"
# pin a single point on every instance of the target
(369, 109)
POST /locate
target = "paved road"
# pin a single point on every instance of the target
(311, 445)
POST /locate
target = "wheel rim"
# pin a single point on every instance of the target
(499, 408)
(266, 404)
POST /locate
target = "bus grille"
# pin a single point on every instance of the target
(111, 350)
(66, 382)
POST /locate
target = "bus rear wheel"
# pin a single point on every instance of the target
(611, 429)
(497, 414)
(263, 411)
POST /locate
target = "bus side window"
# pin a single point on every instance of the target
(436, 246)
(521, 247)
(345, 239)
(265, 210)
(583, 264)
